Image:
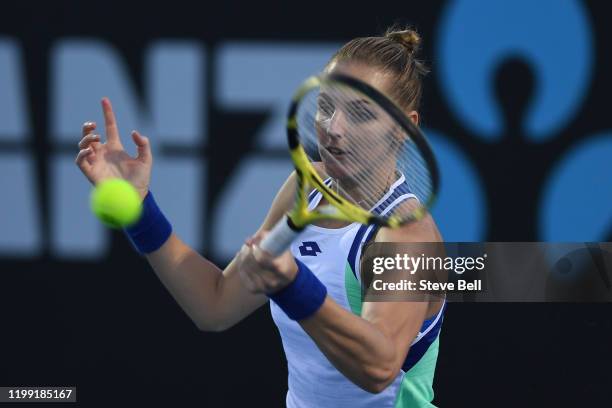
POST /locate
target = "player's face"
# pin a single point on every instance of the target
(354, 133)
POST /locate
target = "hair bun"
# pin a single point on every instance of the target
(408, 38)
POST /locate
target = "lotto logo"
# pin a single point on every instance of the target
(309, 248)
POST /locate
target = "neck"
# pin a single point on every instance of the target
(367, 194)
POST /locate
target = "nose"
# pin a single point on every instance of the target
(338, 124)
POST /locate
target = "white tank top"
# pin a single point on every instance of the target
(333, 256)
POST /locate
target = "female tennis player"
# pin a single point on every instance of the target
(341, 352)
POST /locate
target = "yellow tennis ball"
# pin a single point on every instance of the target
(116, 203)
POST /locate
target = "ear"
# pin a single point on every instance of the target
(414, 117)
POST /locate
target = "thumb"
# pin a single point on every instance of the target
(143, 145)
(260, 255)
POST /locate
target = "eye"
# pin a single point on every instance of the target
(325, 107)
(360, 112)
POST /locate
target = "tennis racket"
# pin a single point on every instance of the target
(352, 143)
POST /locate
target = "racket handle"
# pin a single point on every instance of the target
(280, 238)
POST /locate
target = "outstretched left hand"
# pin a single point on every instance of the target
(260, 271)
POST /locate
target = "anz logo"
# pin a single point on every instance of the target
(484, 144)
(309, 248)
(171, 104)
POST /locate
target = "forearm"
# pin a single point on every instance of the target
(359, 349)
(213, 299)
(191, 279)
(367, 349)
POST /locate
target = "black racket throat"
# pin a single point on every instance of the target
(293, 226)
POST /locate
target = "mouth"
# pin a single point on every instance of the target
(336, 152)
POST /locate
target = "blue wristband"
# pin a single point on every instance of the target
(152, 229)
(302, 297)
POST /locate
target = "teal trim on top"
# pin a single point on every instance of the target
(416, 389)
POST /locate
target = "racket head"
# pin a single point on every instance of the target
(342, 129)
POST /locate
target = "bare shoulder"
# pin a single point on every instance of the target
(282, 203)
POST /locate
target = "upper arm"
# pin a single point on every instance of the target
(401, 321)
(281, 203)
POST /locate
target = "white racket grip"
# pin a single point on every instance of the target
(280, 238)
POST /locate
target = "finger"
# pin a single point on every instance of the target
(259, 236)
(249, 241)
(88, 140)
(250, 281)
(81, 158)
(143, 146)
(110, 123)
(266, 280)
(262, 257)
(250, 264)
(87, 128)
(272, 284)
